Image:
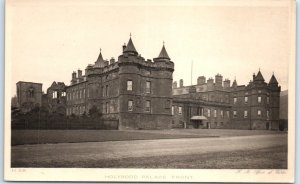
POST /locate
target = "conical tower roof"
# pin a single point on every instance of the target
(273, 80)
(100, 58)
(130, 47)
(163, 53)
(100, 61)
(259, 77)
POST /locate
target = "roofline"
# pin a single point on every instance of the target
(29, 82)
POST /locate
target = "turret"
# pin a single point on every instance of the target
(273, 83)
(130, 49)
(258, 78)
(100, 61)
(163, 55)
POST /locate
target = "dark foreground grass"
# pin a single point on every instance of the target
(20, 137)
(267, 158)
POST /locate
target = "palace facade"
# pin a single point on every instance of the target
(139, 93)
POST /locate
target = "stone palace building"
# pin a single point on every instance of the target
(139, 93)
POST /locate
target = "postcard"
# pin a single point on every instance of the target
(150, 91)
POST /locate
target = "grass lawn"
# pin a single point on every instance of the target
(267, 158)
(20, 137)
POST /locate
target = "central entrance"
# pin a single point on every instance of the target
(199, 122)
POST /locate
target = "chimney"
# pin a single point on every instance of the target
(124, 46)
(74, 75)
(219, 79)
(79, 73)
(226, 83)
(253, 76)
(201, 80)
(210, 81)
(175, 84)
(180, 83)
(112, 60)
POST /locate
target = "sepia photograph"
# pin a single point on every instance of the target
(150, 91)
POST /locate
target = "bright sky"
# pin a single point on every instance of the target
(49, 40)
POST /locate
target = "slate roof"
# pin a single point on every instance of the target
(273, 80)
(130, 47)
(163, 53)
(259, 77)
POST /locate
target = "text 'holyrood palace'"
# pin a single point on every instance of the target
(140, 94)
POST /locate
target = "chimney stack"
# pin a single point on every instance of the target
(124, 47)
(112, 60)
(79, 73)
(175, 84)
(226, 83)
(181, 83)
(74, 75)
(201, 80)
(218, 80)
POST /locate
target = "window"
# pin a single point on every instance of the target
(83, 93)
(172, 110)
(106, 90)
(129, 85)
(268, 115)
(107, 108)
(215, 113)
(130, 105)
(208, 112)
(234, 114)
(148, 87)
(234, 100)
(258, 112)
(79, 94)
(148, 105)
(63, 93)
(103, 91)
(31, 93)
(259, 91)
(245, 114)
(259, 99)
(180, 110)
(246, 99)
(88, 93)
(54, 94)
(268, 100)
(221, 113)
(227, 112)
